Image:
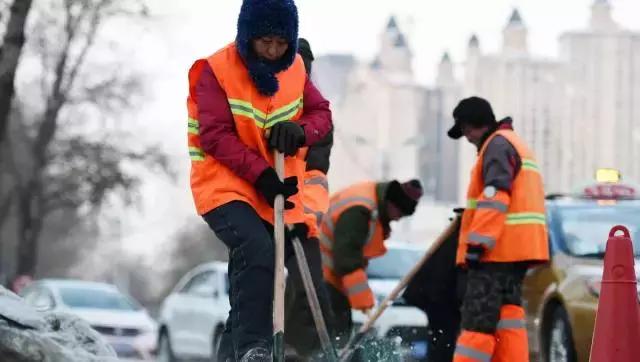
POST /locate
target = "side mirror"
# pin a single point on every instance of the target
(42, 305)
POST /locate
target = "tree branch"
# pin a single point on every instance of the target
(11, 49)
(90, 38)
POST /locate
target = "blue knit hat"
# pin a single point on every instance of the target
(260, 18)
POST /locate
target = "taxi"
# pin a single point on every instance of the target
(561, 297)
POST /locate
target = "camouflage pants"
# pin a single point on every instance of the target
(488, 288)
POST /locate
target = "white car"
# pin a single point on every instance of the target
(121, 320)
(192, 317)
(404, 324)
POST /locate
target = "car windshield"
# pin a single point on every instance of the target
(585, 229)
(395, 264)
(93, 298)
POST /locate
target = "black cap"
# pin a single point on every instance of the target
(474, 111)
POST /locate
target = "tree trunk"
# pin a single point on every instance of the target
(9, 57)
(29, 228)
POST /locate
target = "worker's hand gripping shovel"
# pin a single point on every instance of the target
(356, 339)
(279, 281)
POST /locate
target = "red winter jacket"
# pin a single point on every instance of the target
(218, 135)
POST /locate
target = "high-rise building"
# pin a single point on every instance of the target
(602, 97)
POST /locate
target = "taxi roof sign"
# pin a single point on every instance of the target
(610, 175)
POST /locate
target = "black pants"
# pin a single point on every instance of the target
(251, 271)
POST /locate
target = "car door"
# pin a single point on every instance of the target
(181, 317)
(202, 316)
(191, 320)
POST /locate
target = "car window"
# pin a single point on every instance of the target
(93, 298)
(203, 284)
(395, 264)
(585, 229)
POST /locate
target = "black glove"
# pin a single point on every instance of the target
(300, 231)
(269, 186)
(474, 253)
(286, 137)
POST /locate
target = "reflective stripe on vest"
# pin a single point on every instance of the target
(196, 154)
(472, 353)
(318, 180)
(511, 324)
(358, 288)
(246, 109)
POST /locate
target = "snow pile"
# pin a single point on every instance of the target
(27, 335)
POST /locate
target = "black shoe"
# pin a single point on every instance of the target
(257, 354)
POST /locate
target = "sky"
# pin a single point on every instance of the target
(183, 31)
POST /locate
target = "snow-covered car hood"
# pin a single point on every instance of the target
(115, 318)
(382, 287)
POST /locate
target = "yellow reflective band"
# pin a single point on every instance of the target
(262, 120)
(247, 106)
(284, 113)
(472, 203)
(193, 125)
(196, 154)
(524, 218)
(530, 165)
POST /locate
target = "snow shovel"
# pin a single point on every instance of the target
(279, 281)
(314, 304)
(356, 339)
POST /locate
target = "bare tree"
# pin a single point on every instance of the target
(71, 159)
(192, 246)
(9, 58)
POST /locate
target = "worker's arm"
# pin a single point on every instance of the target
(351, 235)
(501, 164)
(316, 114)
(319, 154)
(218, 135)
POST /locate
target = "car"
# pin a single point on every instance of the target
(121, 320)
(407, 325)
(561, 297)
(192, 317)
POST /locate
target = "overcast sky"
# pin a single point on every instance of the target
(188, 29)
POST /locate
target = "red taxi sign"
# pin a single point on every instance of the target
(607, 190)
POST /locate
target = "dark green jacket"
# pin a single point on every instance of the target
(352, 232)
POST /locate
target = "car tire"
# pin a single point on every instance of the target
(165, 352)
(215, 343)
(559, 338)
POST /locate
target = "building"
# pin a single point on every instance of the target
(376, 109)
(438, 156)
(602, 97)
(577, 112)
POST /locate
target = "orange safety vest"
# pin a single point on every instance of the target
(521, 234)
(315, 199)
(361, 194)
(212, 183)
